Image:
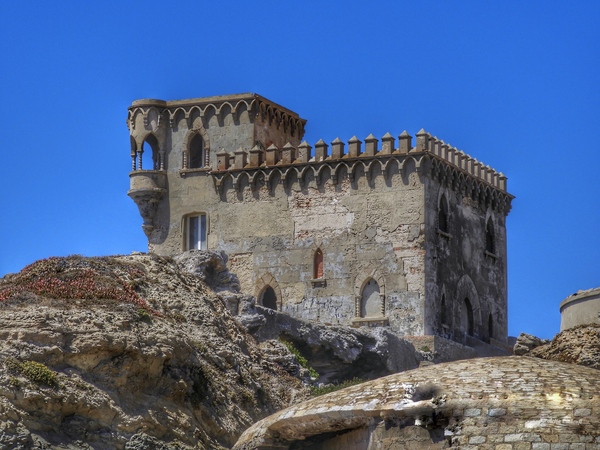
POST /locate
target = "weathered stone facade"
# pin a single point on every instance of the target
(409, 237)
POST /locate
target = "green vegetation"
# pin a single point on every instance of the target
(39, 373)
(34, 371)
(199, 346)
(144, 316)
(301, 359)
(316, 391)
(13, 365)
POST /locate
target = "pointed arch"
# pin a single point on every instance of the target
(152, 148)
(318, 264)
(443, 219)
(196, 148)
(490, 236)
(268, 298)
(370, 299)
(267, 285)
(133, 145)
(365, 303)
(443, 317)
(467, 317)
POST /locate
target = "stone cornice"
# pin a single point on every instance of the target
(257, 104)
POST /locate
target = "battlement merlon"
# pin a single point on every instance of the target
(445, 156)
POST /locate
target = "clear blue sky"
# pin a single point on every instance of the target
(513, 83)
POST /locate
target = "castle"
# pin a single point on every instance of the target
(382, 233)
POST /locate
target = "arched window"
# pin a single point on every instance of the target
(490, 244)
(150, 151)
(196, 152)
(268, 298)
(370, 304)
(318, 265)
(443, 215)
(467, 317)
(443, 317)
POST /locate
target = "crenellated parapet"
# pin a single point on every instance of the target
(431, 156)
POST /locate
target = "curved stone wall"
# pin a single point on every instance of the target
(488, 403)
(581, 308)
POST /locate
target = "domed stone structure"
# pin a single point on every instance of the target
(487, 403)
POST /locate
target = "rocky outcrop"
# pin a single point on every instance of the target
(336, 353)
(578, 345)
(527, 342)
(130, 352)
(340, 353)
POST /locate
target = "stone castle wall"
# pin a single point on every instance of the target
(371, 208)
(476, 273)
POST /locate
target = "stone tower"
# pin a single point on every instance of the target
(381, 233)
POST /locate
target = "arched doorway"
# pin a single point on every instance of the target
(467, 317)
(370, 304)
(268, 299)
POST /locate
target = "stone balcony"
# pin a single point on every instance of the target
(146, 189)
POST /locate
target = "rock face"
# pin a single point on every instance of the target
(527, 342)
(579, 345)
(129, 352)
(341, 353)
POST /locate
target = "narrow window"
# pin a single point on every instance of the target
(196, 151)
(467, 317)
(443, 317)
(491, 326)
(268, 298)
(490, 244)
(196, 232)
(443, 215)
(318, 265)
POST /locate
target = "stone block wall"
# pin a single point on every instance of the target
(271, 238)
(272, 204)
(485, 403)
(459, 266)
